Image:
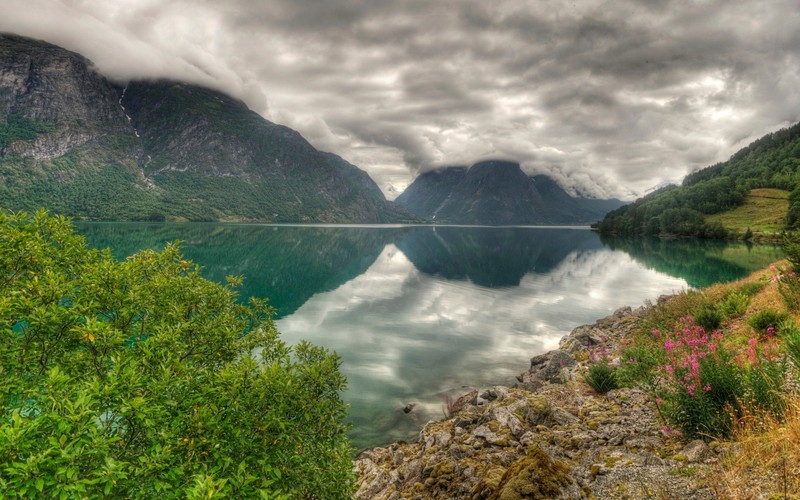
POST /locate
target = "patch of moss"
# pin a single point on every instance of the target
(533, 476)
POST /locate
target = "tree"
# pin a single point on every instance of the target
(143, 379)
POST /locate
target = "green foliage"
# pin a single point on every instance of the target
(640, 364)
(700, 413)
(734, 304)
(766, 318)
(16, 127)
(790, 334)
(791, 246)
(142, 379)
(770, 162)
(602, 377)
(709, 317)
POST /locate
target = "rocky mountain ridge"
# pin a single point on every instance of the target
(78, 144)
(498, 193)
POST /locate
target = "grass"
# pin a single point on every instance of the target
(763, 212)
(767, 448)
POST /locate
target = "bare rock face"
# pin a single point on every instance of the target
(61, 93)
(548, 437)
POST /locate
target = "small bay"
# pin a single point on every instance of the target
(422, 313)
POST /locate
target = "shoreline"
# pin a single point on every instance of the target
(548, 435)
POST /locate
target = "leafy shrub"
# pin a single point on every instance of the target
(709, 318)
(791, 247)
(766, 318)
(639, 365)
(734, 305)
(602, 377)
(142, 379)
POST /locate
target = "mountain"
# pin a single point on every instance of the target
(497, 193)
(772, 161)
(492, 257)
(78, 144)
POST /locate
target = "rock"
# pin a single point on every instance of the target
(697, 451)
(537, 411)
(550, 367)
(483, 432)
(489, 395)
(459, 404)
(410, 406)
(621, 312)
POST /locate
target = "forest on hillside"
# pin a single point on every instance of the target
(772, 161)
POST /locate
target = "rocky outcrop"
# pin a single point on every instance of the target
(549, 436)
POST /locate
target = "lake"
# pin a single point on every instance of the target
(422, 313)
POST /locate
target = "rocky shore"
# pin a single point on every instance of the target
(548, 436)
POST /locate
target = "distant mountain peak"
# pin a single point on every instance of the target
(497, 192)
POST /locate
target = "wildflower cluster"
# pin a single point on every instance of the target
(686, 346)
(702, 385)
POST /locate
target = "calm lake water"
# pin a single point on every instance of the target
(420, 313)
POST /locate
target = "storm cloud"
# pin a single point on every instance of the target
(611, 98)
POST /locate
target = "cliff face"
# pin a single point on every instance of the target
(75, 143)
(497, 193)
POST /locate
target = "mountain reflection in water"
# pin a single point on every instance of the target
(421, 313)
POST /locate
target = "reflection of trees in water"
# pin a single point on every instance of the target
(493, 257)
(700, 262)
(286, 264)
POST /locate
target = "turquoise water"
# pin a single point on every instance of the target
(420, 313)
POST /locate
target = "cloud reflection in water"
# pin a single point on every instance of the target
(408, 336)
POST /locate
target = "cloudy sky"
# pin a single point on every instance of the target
(611, 98)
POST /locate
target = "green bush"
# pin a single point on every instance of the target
(734, 305)
(142, 379)
(640, 364)
(766, 318)
(790, 334)
(791, 246)
(602, 377)
(709, 318)
(750, 289)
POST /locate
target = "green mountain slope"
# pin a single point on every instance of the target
(770, 162)
(77, 144)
